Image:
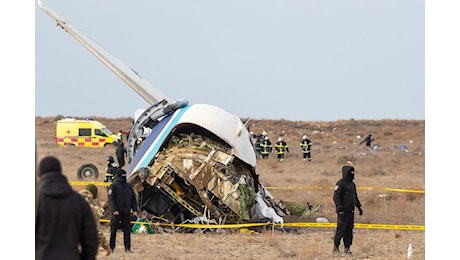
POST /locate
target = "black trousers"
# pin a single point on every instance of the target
(125, 221)
(121, 162)
(345, 224)
(280, 156)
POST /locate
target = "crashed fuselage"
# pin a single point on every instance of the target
(194, 170)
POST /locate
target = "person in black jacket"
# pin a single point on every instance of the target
(345, 200)
(122, 201)
(64, 221)
(368, 140)
(121, 153)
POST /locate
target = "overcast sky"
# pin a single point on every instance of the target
(297, 60)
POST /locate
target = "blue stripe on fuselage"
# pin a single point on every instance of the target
(154, 140)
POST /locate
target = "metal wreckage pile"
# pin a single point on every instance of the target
(196, 180)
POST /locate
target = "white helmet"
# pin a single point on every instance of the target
(266, 138)
(304, 137)
(280, 139)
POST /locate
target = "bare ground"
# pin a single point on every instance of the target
(378, 173)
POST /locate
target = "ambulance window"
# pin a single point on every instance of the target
(84, 132)
(99, 132)
(108, 131)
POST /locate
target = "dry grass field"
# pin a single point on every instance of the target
(391, 183)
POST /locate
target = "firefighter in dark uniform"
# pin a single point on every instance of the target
(266, 147)
(305, 144)
(259, 140)
(281, 147)
(345, 199)
(111, 170)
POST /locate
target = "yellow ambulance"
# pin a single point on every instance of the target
(83, 133)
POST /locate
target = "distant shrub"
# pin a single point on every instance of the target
(58, 117)
(412, 197)
(328, 173)
(376, 172)
(388, 134)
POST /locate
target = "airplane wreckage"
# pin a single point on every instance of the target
(197, 162)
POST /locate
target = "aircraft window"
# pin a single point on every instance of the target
(84, 132)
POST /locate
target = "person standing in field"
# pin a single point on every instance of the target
(266, 147)
(110, 171)
(258, 142)
(281, 148)
(345, 200)
(64, 225)
(122, 201)
(305, 145)
(368, 140)
(121, 153)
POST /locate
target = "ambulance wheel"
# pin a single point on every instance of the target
(88, 171)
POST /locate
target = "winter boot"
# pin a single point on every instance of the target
(348, 252)
(336, 250)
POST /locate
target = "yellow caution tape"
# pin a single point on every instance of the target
(331, 188)
(100, 183)
(357, 225)
(97, 183)
(299, 224)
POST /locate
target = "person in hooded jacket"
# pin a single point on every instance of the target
(345, 200)
(64, 225)
(122, 201)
